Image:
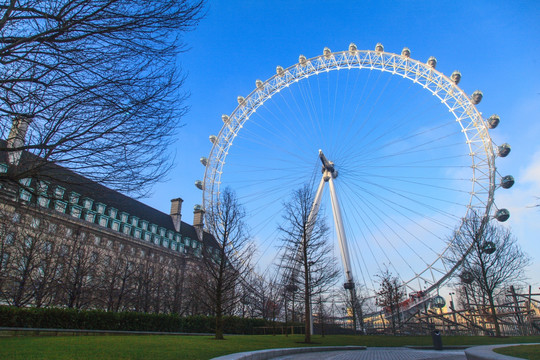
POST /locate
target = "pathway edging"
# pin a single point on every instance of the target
(271, 353)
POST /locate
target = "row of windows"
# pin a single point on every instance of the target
(123, 222)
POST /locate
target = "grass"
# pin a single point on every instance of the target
(523, 351)
(168, 347)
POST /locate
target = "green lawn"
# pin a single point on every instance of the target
(165, 347)
(524, 351)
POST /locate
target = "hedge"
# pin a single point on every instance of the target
(57, 318)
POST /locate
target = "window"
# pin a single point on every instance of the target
(5, 259)
(25, 195)
(76, 211)
(94, 257)
(100, 208)
(124, 217)
(187, 241)
(35, 222)
(103, 221)
(147, 236)
(109, 244)
(90, 216)
(87, 203)
(121, 247)
(3, 168)
(47, 247)
(97, 240)
(64, 249)
(157, 240)
(142, 253)
(162, 231)
(10, 238)
(112, 212)
(115, 225)
(59, 192)
(138, 233)
(60, 206)
(42, 187)
(52, 227)
(153, 228)
(74, 198)
(144, 224)
(43, 201)
(25, 182)
(132, 250)
(126, 229)
(134, 221)
(69, 231)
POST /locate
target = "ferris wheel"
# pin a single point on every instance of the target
(413, 153)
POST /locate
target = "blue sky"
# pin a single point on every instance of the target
(493, 43)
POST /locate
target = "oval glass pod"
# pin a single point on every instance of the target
(456, 77)
(466, 277)
(488, 247)
(502, 215)
(476, 97)
(327, 53)
(438, 302)
(504, 150)
(406, 52)
(507, 182)
(493, 121)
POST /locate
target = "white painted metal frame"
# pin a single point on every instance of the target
(472, 125)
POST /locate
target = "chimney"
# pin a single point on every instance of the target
(198, 220)
(16, 137)
(176, 213)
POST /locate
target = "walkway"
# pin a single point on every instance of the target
(380, 354)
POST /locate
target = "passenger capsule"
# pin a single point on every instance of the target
(502, 215)
(432, 62)
(213, 139)
(466, 277)
(488, 247)
(456, 77)
(225, 118)
(504, 150)
(406, 52)
(352, 48)
(259, 84)
(327, 53)
(493, 121)
(438, 302)
(476, 97)
(507, 182)
(302, 60)
(199, 184)
(203, 160)
(240, 100)
(379, 47)
(280, 71)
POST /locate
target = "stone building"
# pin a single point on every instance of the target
(75, 243)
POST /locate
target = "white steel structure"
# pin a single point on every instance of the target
(392, 217)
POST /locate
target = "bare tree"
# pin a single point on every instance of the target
(493, 261)
(389, 295)
(225, 264)
(92, 85)
(307, 253)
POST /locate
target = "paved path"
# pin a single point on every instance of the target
(380, 354)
